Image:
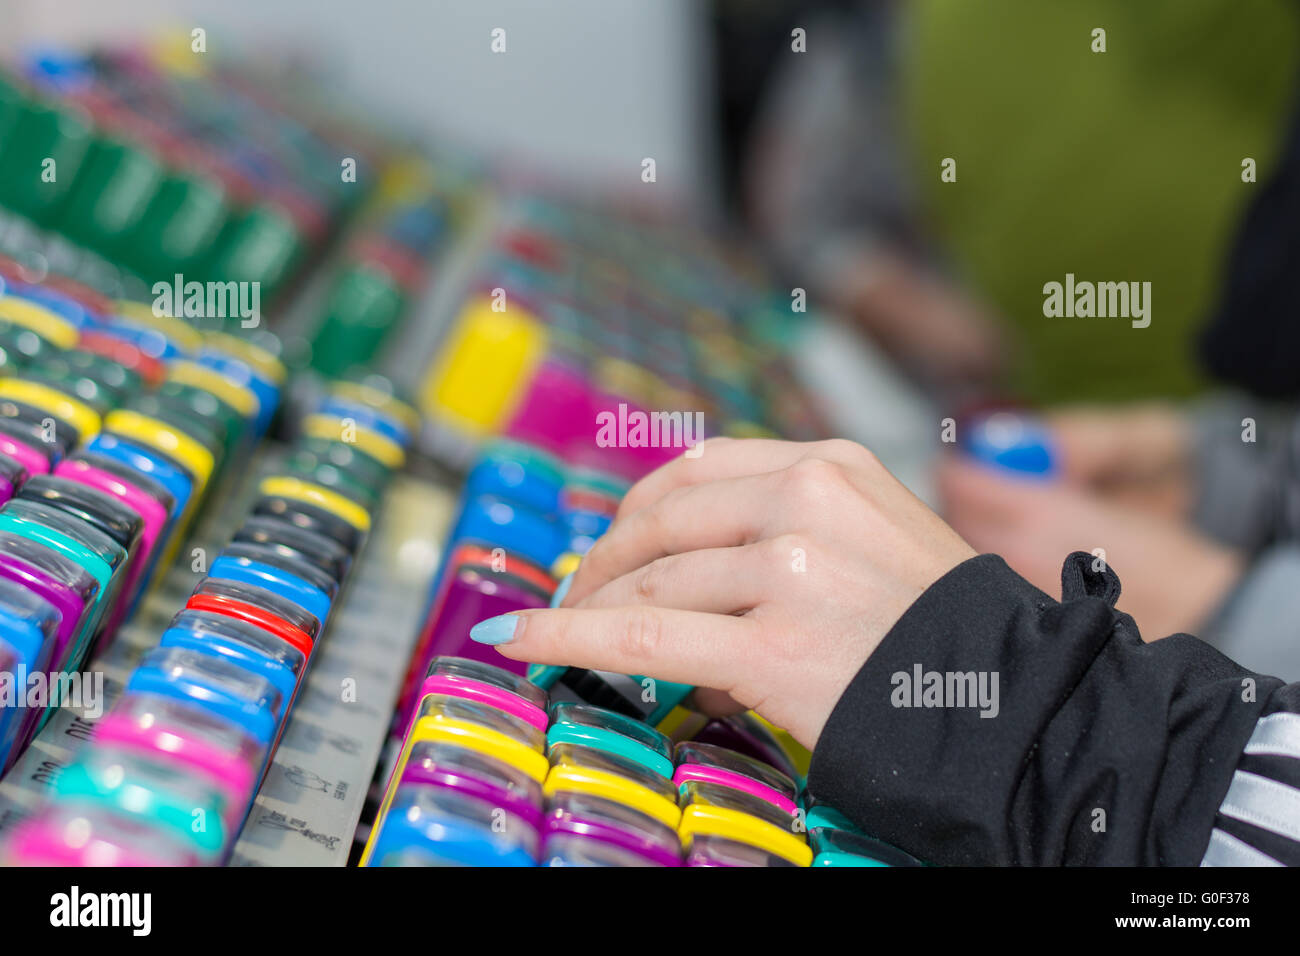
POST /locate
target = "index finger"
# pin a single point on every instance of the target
(687, 647)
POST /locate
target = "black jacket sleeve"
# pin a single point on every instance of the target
(1095, 749)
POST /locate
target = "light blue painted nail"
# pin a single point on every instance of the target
(495, 630)
(562, 589)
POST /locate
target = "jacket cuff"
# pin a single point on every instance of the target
(1029, 716)
(893, 759)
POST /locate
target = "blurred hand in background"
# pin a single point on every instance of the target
(1138, 455)
(1175, 578)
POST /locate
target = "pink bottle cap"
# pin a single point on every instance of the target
(229, 771)
(150, 510)
(455, 685)
(27, 456)
(67, 836)
(734, 781)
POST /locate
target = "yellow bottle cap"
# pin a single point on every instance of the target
(405, 179)
(484, 367)
(379, 400)
(601, 783)
(45, 323)
(262, 360)
(59, 404)
(481, 739)
(377, 446)
(701, 819)
(799, 755)
(622, 377)
(183, 335)
(318, 495)
(458, 733)
(173, 51)
(681, 723)
(565, 565)
(239, 397)
(167, 438)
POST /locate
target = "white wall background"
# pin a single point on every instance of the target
(587, 87)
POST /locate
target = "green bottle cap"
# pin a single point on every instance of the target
(305, 466)
(24, 346)
(263, 245)
(362, 309)
(98, 381)
(11, 104)
(344, 456)
(179, 229)
(43, 152)
(112, 192)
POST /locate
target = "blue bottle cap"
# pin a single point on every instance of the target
(229, 640)
(1015, 442)
(177, 483)
(258, 574)
(223, 689)
(498, 523)
(241, 373)
(28, 622)
(442, 827)
(517, 473)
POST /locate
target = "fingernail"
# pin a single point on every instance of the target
(562, 589)
(495, 630)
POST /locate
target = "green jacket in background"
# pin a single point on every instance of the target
(1117, 166)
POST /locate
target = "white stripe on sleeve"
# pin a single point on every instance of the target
(1226, 850)
(1276, 734)
(1263, 803)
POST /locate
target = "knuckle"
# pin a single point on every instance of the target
(647, 582)
(785, 546)
(641, 635)
(813, 478)
(850, 453)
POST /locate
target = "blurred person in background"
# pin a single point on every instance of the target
(1120, 164)
(1201, 503)
(1114, 157)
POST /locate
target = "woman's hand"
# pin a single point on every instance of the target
(765, 570)
(1138, 455)
(1174, 577)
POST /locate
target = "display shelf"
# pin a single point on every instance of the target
(311, 800)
